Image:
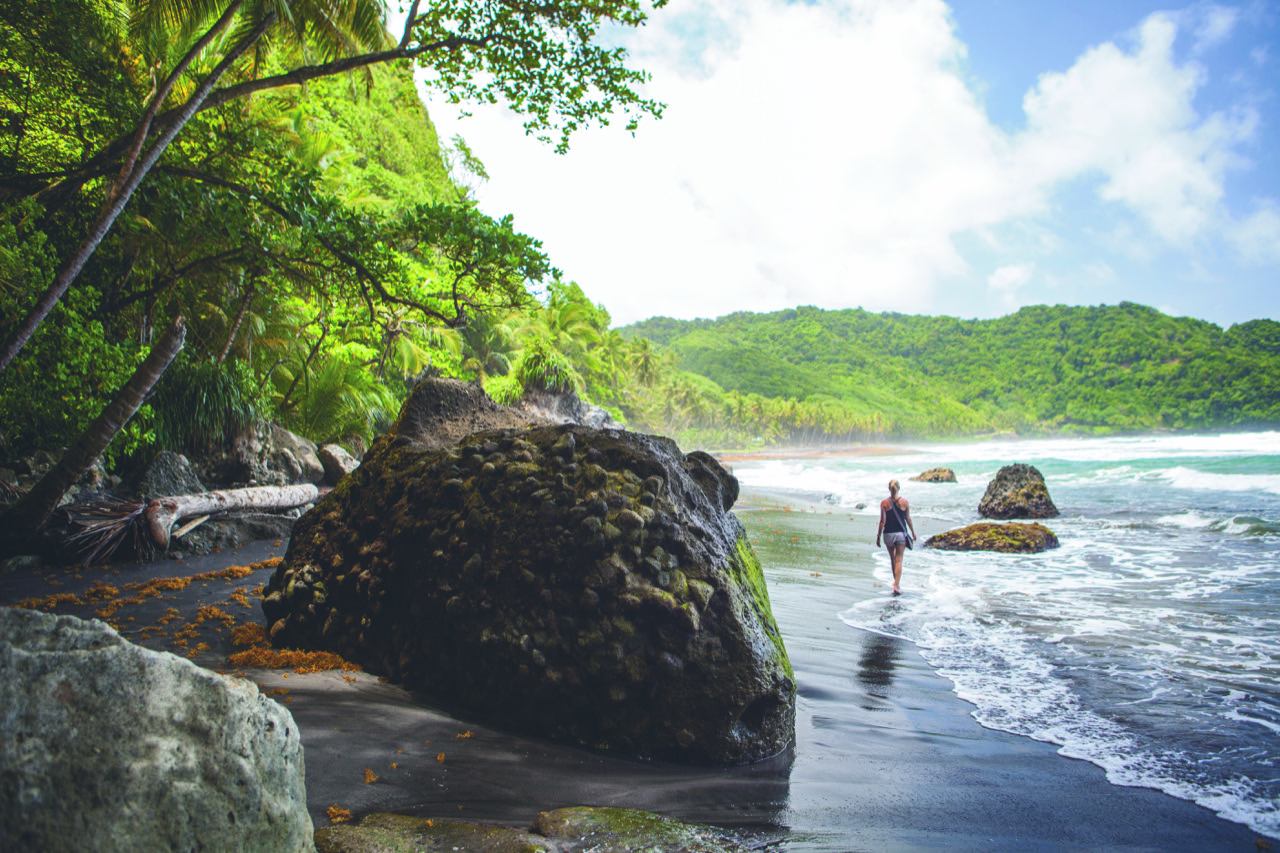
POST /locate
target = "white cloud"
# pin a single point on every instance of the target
(830, 153)
(1129, 117)
(1008, 279)
(1215, 25)
(1257, 237)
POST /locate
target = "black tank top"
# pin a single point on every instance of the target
(891, 523)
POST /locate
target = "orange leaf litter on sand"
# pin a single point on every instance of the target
(337, 814)
(440, 758)
(150, 589)
(369, 776)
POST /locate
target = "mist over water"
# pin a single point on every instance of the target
(1148, 644)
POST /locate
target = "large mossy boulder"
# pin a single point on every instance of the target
(1010, 538)
(1017, 491)
(586, 585)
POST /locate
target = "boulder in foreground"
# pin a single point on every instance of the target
(581, 584)
(570, 830)
(1018, 491)
(935, 475)
(1011, 538)
(112, 747)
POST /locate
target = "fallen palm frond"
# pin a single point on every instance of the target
(105, 524)
(10, 492)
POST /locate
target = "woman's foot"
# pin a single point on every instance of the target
(897, 591)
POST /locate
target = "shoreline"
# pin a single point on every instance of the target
(887, 757)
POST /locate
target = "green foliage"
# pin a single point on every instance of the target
(200, 404)
(505, 390)
(1042, 369)
(542, 60)
(542, 366)
(342, 398)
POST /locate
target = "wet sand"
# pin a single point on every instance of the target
(886, 757)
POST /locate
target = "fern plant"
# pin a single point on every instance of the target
(199, 404)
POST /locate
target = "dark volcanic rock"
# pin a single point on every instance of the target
(169, 474)
(1018, 491)
(1012, 538)
(582, 584)
(441, 412)
(935, 475)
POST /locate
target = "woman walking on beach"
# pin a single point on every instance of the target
(895, 520)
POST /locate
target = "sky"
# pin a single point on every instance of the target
(959, 159)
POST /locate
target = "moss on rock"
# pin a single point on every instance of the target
(569, 830)
(1010, 538)
(536, 576)
(1017, 491)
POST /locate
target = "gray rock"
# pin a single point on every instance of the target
(169, 474)
(564, 407)
(337, 463)
(595, 590)
(108, 746)
(21, 563)
(303, 451)
(1017, 491)
(231, 531)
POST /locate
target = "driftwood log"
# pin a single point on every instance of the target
(163, 512)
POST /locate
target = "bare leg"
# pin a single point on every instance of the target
(895, 556)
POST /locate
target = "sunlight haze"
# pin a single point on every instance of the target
(919, 157)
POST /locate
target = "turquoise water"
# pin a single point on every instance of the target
(1148, 644)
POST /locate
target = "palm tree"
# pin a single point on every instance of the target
(644, 361)
(334, 27)
(489, 347)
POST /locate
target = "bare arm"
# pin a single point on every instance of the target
(880, 527)
(906, 511)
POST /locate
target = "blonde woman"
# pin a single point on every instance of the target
(895, 521)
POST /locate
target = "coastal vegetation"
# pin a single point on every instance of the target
(809, 375)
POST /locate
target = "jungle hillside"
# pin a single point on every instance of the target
(808, 375)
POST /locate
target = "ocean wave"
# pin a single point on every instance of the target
(1183, 477)
(1086, 648)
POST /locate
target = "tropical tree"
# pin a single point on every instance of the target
(541, 59)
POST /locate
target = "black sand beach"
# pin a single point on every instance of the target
(887, 758)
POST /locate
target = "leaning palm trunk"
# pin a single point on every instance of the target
(26, 517)
(163, 512)
(136, 167)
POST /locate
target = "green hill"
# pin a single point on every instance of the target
(1044, 368)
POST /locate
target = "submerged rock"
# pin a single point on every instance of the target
(935, 475)
(580, 830)
(582, 584)
(1011, 538)
(112, 747)
(571, 830)
(1018, 491)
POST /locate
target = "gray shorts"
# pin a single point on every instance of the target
(891, 539)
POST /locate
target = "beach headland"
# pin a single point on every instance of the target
(886, 757)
